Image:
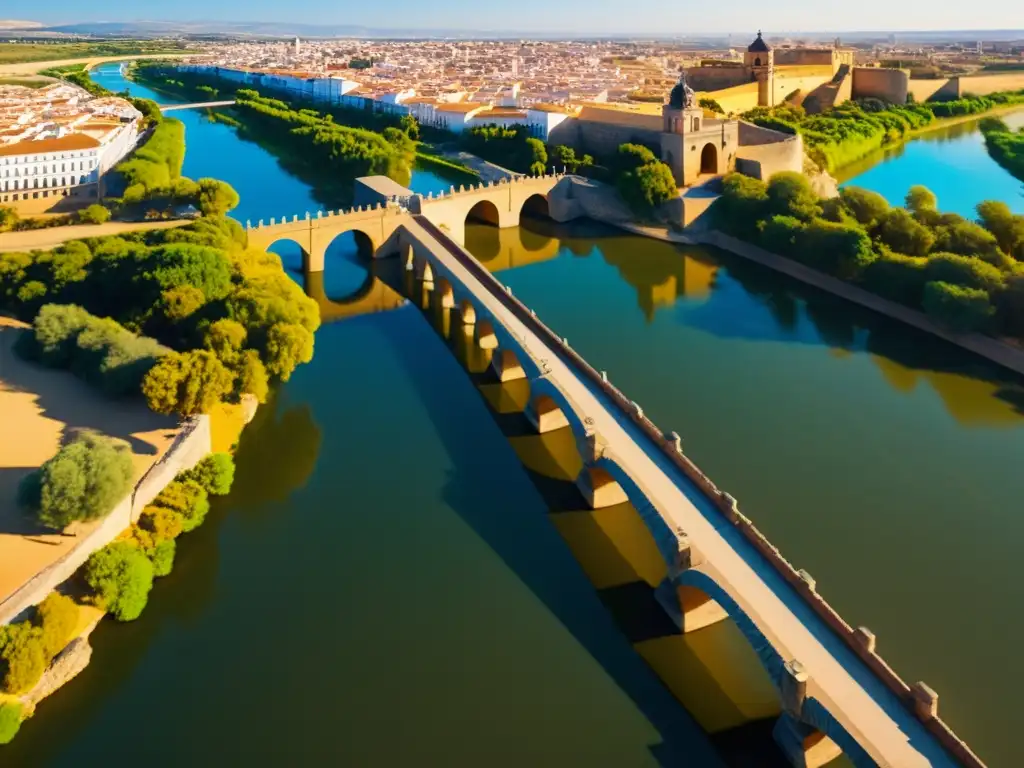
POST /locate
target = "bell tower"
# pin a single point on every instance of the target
(679, 116)
(760, 60)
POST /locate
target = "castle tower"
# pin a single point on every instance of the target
(681, 115)
(760, 60)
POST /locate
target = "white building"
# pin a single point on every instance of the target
(37, 175)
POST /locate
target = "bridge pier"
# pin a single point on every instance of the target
(599, 488)
(468, 313)
(507, 366)
(545, 415)
(485, 336)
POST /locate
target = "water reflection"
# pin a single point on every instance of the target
(715, 673)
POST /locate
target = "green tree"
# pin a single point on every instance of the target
(968, 239)
(188, 499)
(904, 234)
(963, 270)
(163, 557)
(744, 203)
(163, 523)
(216, 197)
(94, 214)
(215, 473)
(711, 105)
(782, 235)
(839, 249)
(1007, 228)
(22, 660)
(226, 339)
(288, 345)
(188, 383)
(9, 219)
(411, 126)
(790, 194)
(10, 721)
(179, 303)
(957, 307)
(84, 481)
(119, 578)
(921, 200)
(253, 378)
(867, 207)
(57, 619)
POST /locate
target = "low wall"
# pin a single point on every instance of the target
(739, 98)
(602, 138)
(192, 444)
(983, 85)
(935, 90)
(890, 85)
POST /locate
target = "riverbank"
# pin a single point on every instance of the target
(999, 352)
(35, 67)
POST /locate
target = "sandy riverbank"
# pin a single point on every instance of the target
(40, 408)
(34, 67)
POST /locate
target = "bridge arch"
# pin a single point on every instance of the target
(545, 414)
(535, 205)
(355, 241)
(293, 254)
(484, 212)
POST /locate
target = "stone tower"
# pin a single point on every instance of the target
(680, 115)
(760, 60)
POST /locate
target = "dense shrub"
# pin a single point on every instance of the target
(186, 498)
(215, 473)
(901, 232)
(84, 481)
(1005, 146)
(96, 349)
(22, 660)
(119, 578)
(163, 558)
(642, 180)
(57, 618)
(94, 214)
(187, 383)
(10, 721)
(511, 147)
(958, 308)
(867, 207)
(790, 194)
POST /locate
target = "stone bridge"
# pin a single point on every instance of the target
(498, 203)
(837, 694)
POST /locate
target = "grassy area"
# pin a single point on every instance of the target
(444, 166)
(16, 53)
(28, 82)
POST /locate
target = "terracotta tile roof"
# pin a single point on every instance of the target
(70, 143)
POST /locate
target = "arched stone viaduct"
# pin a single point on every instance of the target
(836, 693)
(497, 203)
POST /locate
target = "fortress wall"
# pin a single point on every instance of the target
(739, 98)
(805, 82)
(935, 90)
(603, 139)
(889, 85)
(764, 152)
(803, 56)
(983, 85)
(716, 78)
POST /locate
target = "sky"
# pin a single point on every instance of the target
(665, 17)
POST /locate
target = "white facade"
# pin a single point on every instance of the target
(320, 89)
(34, 172)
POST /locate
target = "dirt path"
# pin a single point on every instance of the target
(45, 239)
(33, 67)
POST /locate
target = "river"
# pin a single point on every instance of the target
(386, 584)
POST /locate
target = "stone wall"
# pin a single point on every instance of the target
(192, 444)
(717, 78)
(764, 152)
(889, 85)
(739, 98)
(603, 139)
(785, 84)
(935, 90)
(983, 85)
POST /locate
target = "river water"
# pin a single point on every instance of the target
(386, 585)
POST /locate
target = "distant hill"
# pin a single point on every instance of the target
(13, 24)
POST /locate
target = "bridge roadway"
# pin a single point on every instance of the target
(197, 105)
(874, 724)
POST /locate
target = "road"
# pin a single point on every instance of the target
(45, 239)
